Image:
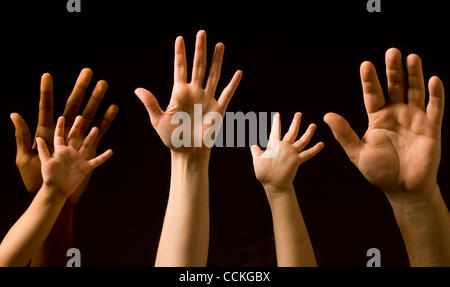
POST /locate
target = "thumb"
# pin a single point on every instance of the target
(256, 151)
(150, 103)
(23, 138)
(345, 135)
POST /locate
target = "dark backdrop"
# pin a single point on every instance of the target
(295, 57)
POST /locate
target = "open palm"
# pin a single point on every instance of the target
(67, 167)
(185, 95)
(400, 151)
(278, 165)
(27, 158)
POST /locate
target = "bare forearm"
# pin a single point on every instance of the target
(293, 245)
(53, 251)
(185, 234)
(425, 228)
(32, 228)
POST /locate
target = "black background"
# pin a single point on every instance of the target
(295, 57)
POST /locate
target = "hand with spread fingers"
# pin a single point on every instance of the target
(275, 169)
(62, 171)
(187, 94)
(27, 159)
(53, 252)
(185, 234)
(277, 166)
(400, 152)
(67, 167)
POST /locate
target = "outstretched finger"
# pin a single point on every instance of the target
(46, 101)
(229, 90)
(305, 139)
(180, 65)
(59, 132)
(44, 154)
(214, 70)
(275, 132)
(345, 135)
(92, 106)
(95, 162)
(23, 137)
(435, 107)
(395, 76)
(150, 103)
(416, 84)
(75, 132)
(106, 122)
(373, 94)
(292, 133)
(199, 67)
(88, 141)
(76, 97)
(309, 153)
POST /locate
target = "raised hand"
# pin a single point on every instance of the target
(400, 151)
(276, 169)
(186, 94)
(27, 159)
(67, 167)
(278, 165)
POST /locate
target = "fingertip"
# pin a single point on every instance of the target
(87, 71)
(103, 84)
(366, 67)
(220, 46)
(413, 60)
(114, 108)
(327, 117)
(140, 92)
(435, 85)
(435, 80)
(393, 52)
(201, 33)
(46, 76)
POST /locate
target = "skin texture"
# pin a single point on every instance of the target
(62, 171)
(185, 235)
(276, 173)
(400, 153)
(53, 252)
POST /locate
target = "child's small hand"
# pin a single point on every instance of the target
(67, 167)
(277, 166)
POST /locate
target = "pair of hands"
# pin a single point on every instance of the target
(401, 149)
(27, 158)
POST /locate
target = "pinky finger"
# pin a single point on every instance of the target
(95, 162)
(89, 140)
(309, 153)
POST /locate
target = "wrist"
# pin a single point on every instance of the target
(273, 191)
(53, 193)
(196, 159)
(412, 207)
